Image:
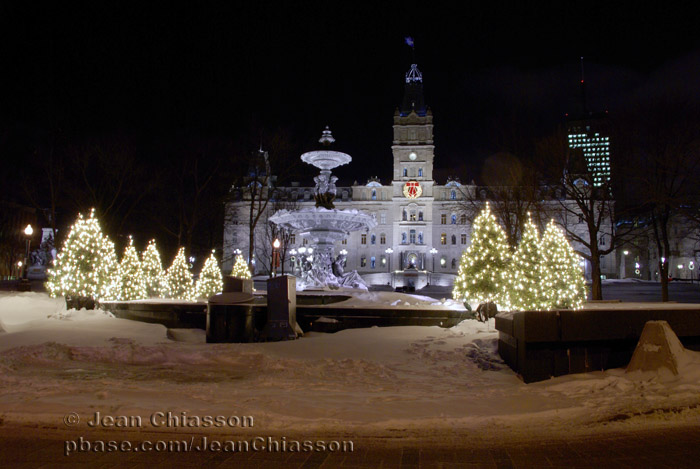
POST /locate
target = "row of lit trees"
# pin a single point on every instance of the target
(87, 267)
(540, 274)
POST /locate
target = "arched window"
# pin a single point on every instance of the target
(382, 238)
(420, 216)
(453, 194)
(373, 239)
(453, 219)
(420, 172)
(454, 239)
(374, 194)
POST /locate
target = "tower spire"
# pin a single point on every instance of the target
(584, 104)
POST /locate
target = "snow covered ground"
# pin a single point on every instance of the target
(365, 381)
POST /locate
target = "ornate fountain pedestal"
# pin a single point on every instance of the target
(324, 225)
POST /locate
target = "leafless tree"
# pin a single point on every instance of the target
(663, 141)
(584, 210)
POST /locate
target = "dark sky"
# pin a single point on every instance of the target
(158, 70)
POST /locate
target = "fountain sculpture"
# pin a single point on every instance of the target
(324, 225)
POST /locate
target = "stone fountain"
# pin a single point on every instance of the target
(324, 225)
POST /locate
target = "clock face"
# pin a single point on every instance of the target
(412, 156)
(412, 190)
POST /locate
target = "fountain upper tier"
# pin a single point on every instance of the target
(326, 159)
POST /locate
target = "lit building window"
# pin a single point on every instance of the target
(363, 261)
(292, 239)
(382, 238)
(463, 238)
(443, 238)
(443, 219)
(363, 238)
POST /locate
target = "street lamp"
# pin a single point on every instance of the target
(28, 231)
(389, 251)
(275, 255)
(433, 251)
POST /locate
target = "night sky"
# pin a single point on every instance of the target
(491, 70)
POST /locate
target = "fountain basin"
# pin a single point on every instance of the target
(321, 224)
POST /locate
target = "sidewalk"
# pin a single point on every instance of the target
(668, 447)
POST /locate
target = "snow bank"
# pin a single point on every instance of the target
(375, 379)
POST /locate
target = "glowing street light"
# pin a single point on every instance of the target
(433, 251)
(389, 251)
(275, 256)
(28, 231)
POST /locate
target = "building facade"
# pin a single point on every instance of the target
(422, 227)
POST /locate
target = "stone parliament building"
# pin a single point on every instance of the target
(421, 228)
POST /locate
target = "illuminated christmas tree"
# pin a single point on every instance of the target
(527, 273)
(179, 278)
(86, 264)
(562, 280)
(154, 276)
(210, 281)
(131, 279)
(240, 268)
(483, 274)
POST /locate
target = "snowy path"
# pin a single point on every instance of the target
(367, 381)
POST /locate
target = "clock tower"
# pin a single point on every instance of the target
(413, 139)
(413, 174)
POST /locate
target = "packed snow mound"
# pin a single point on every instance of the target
(21, 307)
(658, 351)
(81, 314)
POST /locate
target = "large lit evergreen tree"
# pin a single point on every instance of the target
(86, 264)
(154, 276)
(179, 278)
(210, 281)
(562, 279)
(131, 280)
(240, 268)
(526, 290)
(483, 269)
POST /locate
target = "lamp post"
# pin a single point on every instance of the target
(389, 251)
(275, 256)
(28, 231)
(433, 251)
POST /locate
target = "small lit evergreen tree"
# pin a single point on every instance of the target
(483, 274)
(210, 281)
(179, 278)
(154, 276)
(86, 263)
(526, 290)
(562, 280)
(240, 268)
(131, 279)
